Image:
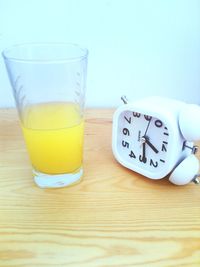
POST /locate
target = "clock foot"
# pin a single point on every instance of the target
(186, 171)
(196, 179)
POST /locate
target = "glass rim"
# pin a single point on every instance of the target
(83, 52)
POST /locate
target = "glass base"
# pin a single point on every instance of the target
(44, 180)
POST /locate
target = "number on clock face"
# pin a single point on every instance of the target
(143, 140)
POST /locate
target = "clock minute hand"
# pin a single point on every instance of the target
(143, 156)
(151, 145)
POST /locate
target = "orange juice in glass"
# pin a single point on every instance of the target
(51, 116)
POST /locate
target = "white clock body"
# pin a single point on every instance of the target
(154, 119)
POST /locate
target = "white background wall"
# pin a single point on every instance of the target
(137, 47)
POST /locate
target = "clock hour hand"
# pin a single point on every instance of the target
(150, 145)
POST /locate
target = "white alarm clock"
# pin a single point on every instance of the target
(154, 137)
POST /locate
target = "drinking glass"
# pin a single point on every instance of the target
(49, 83)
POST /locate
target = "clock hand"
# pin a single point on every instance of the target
(150, 145)
(147, 127)
(143, 156)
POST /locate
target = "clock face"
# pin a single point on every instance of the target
(142, 141)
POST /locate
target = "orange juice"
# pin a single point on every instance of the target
(53, 134)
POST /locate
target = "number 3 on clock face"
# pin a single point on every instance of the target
(142, 142)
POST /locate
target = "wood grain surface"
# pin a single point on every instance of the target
(114, 217)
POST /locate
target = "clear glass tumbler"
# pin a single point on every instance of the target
(49, 82)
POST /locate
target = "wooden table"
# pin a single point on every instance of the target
(114, 217)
